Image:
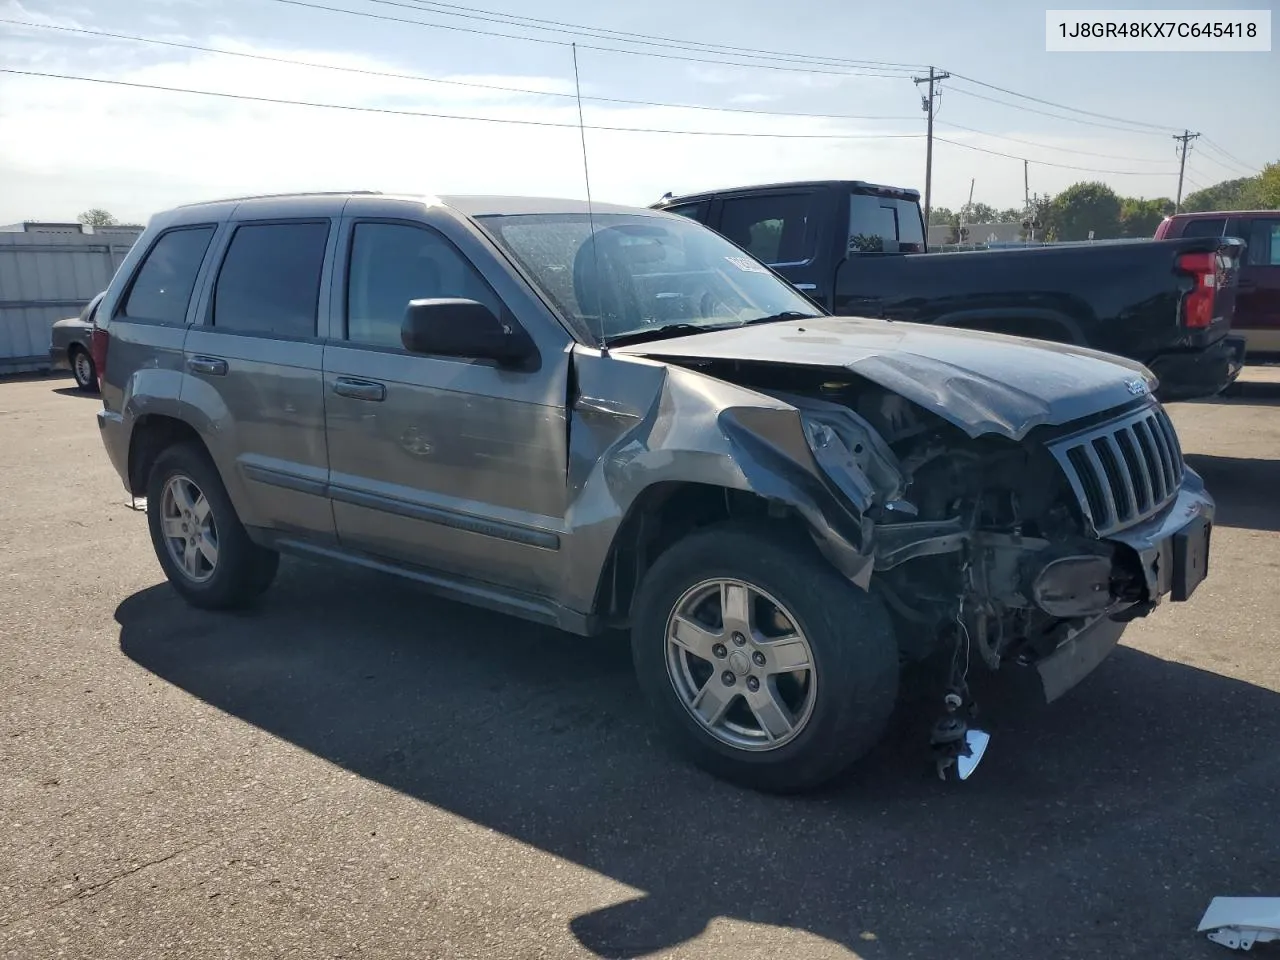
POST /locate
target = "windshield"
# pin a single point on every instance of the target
(642, 273)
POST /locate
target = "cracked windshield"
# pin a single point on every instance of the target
(643, 275)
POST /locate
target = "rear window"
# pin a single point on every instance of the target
(1263, 241)
(774, 228)
(1207, 227)
(162, 288)
(270, 279)
(884, 225)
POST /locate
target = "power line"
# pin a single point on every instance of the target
(425, 79)
(1060, 106)
(1247, 166)
(646, 39)
(1056, 116)
(565, 43)
(454, 116)
(1043, 146)
(1046, 163)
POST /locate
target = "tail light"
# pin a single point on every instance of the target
(99, 340)
(1197, 305)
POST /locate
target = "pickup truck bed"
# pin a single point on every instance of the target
(857, 249)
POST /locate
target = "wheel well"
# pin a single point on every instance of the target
(663, 514)
(152, 434)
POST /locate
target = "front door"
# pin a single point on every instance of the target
(450, 464)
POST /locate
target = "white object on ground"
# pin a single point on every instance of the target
(1240, 922)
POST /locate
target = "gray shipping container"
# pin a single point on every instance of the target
(45, 277)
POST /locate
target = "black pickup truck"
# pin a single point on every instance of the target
(859, 249)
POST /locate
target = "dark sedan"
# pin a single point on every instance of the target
(70, 347)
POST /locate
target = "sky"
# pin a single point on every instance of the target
(68, 145)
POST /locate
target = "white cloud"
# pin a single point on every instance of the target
(749, 98)
(138, 150)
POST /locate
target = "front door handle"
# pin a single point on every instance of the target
(211, 366)
(359, 389)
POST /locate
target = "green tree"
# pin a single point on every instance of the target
(979, 213)
(941, 216)
(1239, 194)
(1139, 218)
(97, 217)
(1269, 187)
(1084, 207)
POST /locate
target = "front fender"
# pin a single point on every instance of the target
(636, 423)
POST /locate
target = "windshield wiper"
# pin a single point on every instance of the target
(784, 315)
(666, 330)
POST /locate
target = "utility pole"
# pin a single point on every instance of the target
(929, 105)
(1026, 187)
(1184, 139)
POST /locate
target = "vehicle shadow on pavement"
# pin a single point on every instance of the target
(1245, 489)
(1098, 826)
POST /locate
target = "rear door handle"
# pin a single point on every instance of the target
(211, 366)
(359, 389)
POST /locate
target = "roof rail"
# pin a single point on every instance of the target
(282, 196)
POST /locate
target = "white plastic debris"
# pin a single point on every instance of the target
(1240, 922)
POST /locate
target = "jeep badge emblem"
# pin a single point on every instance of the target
(1136, 387)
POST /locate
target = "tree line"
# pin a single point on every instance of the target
(1094, 206)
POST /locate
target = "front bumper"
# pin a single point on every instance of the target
(1203, 373)
(1170, 545)
(58, 359)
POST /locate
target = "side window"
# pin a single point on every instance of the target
(1263, 243)
(393, 263)
(1209, 227)
(163, 286)
(694, 211)
(270, 279)
(775, 229)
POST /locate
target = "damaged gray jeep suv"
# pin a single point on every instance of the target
(614, 417)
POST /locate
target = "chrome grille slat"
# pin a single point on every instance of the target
(1123, 476)
(1124, 471)
(1137, 467)
(1166, 455)
(1148, 445)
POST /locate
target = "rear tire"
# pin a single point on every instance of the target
(198, 538)
(83, 369)
(779, 733)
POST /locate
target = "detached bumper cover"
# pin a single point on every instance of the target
(1165, 546)
(1173, 552)
(1203, 373)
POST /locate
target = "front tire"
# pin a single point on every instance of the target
(759, 660)
(198, 538)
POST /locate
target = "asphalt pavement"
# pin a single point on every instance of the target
(356, 769)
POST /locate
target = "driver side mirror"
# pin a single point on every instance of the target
(462, 328)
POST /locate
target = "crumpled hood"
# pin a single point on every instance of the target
(981, 382)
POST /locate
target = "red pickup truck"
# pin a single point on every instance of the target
(1257, 314)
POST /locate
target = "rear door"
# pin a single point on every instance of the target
(254, 371)
(1258, 292)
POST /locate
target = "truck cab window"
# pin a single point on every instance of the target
(1211, 227)
(884, 225)
(774, 228)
